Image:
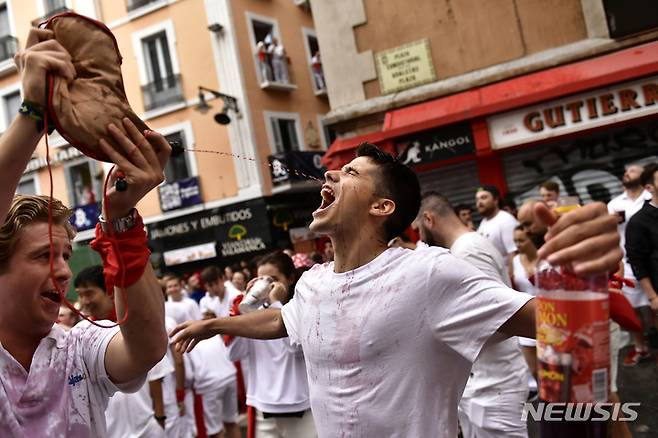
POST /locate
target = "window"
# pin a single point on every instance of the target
(84, 187)
(158, 65)
(314, 61)
(270, 57)
(11, 103)
(284, 131)
(177, 167)
(329, 135)
(135, 4)
(27, 186)
(8, 43)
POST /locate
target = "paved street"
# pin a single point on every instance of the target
(640, 384)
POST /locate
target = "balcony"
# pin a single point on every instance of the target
(56, 7)
(131, 5)
(8, 47)
(162, 92)
(271, 81)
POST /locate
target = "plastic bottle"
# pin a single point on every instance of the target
(573, 347)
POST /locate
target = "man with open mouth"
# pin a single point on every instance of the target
(389, 334)
(57, 383)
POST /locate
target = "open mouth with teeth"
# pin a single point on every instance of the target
(52, 295)
(328, 197)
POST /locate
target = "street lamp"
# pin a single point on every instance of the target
(230, 103)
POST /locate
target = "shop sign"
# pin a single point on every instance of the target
(575, 113)
(58, 157)
(190, 254)
(199, 223)
(180, 194)
(405, 67)
(295, 165)
(438, 144)
(85, 217)
(241, 242)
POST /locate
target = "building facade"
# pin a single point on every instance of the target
(192, 71)
(512, 93)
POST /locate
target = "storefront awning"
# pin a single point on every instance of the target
(524, 90)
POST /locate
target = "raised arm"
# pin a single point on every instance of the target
(18, 142)
(261, 324)
(142, 341)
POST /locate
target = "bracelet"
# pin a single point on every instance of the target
(35, 112)
(160, 417)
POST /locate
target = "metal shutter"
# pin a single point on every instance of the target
(590, 166)
(457, 182)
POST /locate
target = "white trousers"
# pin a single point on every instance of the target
(285, 427)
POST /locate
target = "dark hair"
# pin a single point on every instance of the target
(551, 186)
(397, 182)
(491, 189)
(461, 207)
(211, 274)
(647, 173)
(284, 264)
(91, 276)
(437, 203)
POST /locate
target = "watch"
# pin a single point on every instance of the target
(120, 225)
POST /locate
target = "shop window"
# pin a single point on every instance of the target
(270, 57)
(11, 102)
(27, 186)
(314, 61)
(284, 131)
(84, 187)
(178, 167)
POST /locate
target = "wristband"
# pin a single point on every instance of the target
(180, 395)
(35, 112)
(125, 255)
(160, 417)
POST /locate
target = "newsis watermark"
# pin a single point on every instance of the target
(580, 411)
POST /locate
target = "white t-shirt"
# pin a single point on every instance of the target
(209, 366)
(220, 308)
(389, 346)
(623, 203)
(67, 388)
(184, 310)
(500, 231)
(500, 368)
(276, 380)
(131, 415)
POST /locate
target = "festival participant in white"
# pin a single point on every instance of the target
(277, 386)
(57, 383)
(624, 207)
(497, 225)
(389, 334)
(492, 402)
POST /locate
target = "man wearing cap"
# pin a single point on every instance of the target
(497, 225)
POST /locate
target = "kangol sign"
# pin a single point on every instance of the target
(575, 113)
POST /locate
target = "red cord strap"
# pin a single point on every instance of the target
(125, 255)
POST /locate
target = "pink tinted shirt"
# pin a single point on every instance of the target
(67, 388)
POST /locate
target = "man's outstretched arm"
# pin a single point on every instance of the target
(522, 323)
(262, 324)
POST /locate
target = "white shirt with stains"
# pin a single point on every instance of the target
(67, 388)
(389, 345)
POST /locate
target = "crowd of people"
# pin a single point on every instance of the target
(374, 338)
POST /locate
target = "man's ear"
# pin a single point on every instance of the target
(382, 207)
(428, 219)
